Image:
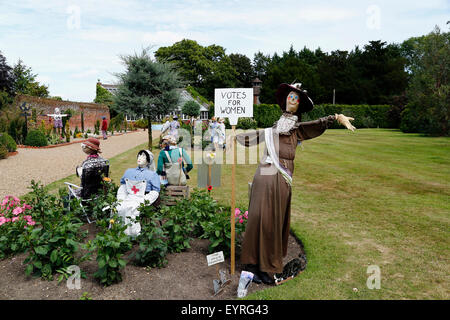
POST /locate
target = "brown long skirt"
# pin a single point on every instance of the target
(267, 231)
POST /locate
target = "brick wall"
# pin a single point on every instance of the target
(91, 111)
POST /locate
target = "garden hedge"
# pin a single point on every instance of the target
(366, 116)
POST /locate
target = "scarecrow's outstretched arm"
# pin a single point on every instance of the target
(312, 129)
(251, 138)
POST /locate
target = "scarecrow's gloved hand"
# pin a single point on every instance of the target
(152, 196)
(345, 121)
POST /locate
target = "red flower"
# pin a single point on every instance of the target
(209, 188)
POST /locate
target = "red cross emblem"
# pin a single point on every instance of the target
(135, 190)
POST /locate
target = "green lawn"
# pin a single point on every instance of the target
(372, 197)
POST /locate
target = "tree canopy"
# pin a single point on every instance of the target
(25, 81)
(147, 88)
(428, 93)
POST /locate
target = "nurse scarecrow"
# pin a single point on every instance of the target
(137, 185)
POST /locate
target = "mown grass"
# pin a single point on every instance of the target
(373, 197)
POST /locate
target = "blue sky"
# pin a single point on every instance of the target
(72, 43)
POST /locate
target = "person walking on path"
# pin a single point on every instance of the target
(104, 128)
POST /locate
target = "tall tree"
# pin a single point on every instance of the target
(243, 66)
(25, 81)
(147, 88)
(204, 68)
(260, 64)
(428, 109)
(6, 82)
(6, 76)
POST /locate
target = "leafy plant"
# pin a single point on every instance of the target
(152, 240)
(179, 228)
(54, 239)
(218, 230)
(85, 296)
(111, 243)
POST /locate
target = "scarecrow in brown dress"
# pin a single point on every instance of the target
(266, 235)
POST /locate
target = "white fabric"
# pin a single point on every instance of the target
(165, 126)
(221, 132)
(273, 156)
(130, 202)
(285, 124)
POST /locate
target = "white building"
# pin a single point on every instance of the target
(184, 97)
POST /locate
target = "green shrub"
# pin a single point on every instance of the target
(366, 116)
(266, 114)
(36, 138)
(97, 127)
(8, 142)
(55, 238)
(247, 123)
(3, 152)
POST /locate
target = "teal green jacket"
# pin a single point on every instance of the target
(174, 156)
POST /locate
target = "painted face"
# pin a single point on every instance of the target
(142, 160)
(292, 102)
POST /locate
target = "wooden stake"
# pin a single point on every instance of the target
(233, 199)
(209, 177)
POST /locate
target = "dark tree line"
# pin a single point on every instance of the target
(375, 74)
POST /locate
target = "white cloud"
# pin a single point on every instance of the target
(85, 74)
(70, 61)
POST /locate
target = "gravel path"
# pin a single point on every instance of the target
(48, 165)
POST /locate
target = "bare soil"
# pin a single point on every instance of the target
(186, 277)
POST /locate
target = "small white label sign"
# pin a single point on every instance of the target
(233, 103)
(214, 258)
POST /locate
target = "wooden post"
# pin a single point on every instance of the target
(209, 177)
(233, 199)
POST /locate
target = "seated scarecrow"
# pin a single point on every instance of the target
(91, 171)
(137, 185)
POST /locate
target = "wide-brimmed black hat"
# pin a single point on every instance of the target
(283, 90)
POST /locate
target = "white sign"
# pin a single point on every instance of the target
(215, 258)
(233, 103)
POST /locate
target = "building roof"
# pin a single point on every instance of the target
(185, 97)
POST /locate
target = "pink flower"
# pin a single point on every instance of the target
(16, 199)
(246, 214)
(28, 218)
(2, 220)
(26, 206)
(241, 221)
(237, 212)
(8, 220)
(31, 223)
(17, 211)
(5, 201)
(14, 219)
